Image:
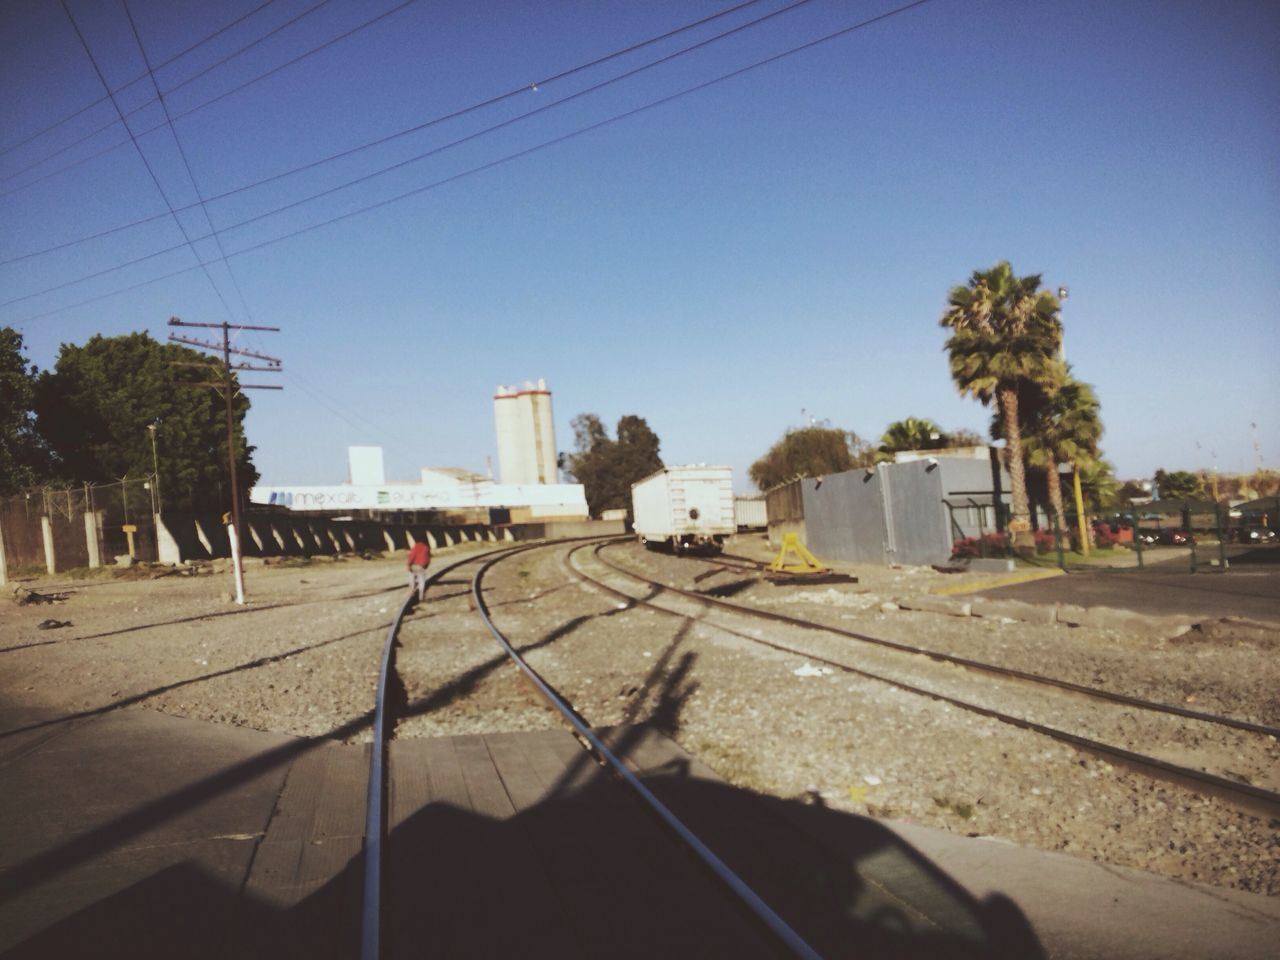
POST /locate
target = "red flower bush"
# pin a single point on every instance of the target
(992, 545)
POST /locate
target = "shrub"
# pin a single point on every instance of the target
(1045, 541)
(991, 545)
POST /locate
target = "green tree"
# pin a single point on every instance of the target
(607, 468)
(964, 437)
(1131, 490)
(810, 452)
(95, 406)
(1006, 333)
(1178, 485)
(913, 433)
(23, 458)
(1099, 486)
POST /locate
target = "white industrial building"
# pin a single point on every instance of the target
(529, 490)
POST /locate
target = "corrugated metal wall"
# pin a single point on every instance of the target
(785, 508)
(892, 514)
(844, 517)
(895, 513)
(919, 531)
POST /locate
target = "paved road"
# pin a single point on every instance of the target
(1250, 588)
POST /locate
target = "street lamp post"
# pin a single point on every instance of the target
(1063, 293)
(155, 467)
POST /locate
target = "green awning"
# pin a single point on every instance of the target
(1261, 505)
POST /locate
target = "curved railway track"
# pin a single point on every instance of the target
(1252, 799)
(384, 724)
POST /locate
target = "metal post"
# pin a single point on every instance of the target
(155, 469)
(1137, 540)
(231, 450)
(1222, 539)
(982, 532)
(1084, 529)
(1057, 540)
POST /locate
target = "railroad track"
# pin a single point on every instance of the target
(592, 742)
(666, 599)
(1251, 799)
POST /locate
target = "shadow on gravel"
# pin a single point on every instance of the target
(155, 691)
(579, 871)
(731, 589)
(564, 864)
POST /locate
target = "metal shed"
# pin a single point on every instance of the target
(909, 513)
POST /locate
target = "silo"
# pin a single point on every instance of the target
(544, 433)
(506, 416)
(526, 434)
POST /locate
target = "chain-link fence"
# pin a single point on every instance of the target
(126, 519)
(62, 528)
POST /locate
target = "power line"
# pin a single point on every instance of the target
(146, 163)
(417, 128)
(421, 156)
(146, 60)
(186, 113)
(563, 138)
(142, 76)
(146, 103)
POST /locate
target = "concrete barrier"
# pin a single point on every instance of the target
(186, 537)
(1127, 621)
(931, 604)
(1013, 610)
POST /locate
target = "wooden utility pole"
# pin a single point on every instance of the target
(227, 387)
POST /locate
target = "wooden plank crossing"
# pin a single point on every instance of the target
(303, 893)
(178, 838)
(515, 843)
(522, 843)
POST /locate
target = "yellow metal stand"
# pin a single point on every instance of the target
(808, 562)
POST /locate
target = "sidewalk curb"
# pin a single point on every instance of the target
(975, 586)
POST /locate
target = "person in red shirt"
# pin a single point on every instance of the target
(419, 560)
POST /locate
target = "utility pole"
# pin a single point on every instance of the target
(227, 387)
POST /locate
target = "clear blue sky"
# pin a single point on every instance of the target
(778, 242)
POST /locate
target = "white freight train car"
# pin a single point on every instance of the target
(688, 506)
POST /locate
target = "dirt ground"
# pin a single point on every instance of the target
(301, 659)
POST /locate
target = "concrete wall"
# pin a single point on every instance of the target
(203, 537)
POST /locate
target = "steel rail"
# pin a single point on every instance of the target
(1254, 800)
(1084, 689)
(762, 911)
(376, 797)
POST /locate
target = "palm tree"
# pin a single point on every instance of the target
(1060, 424)
(913, 433)
(1006, 336)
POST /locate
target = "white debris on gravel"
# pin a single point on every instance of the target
(808, 670)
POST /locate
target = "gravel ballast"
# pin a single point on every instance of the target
(302, 660)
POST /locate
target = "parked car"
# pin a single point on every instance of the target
(1168, 537)
(1253, 535)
